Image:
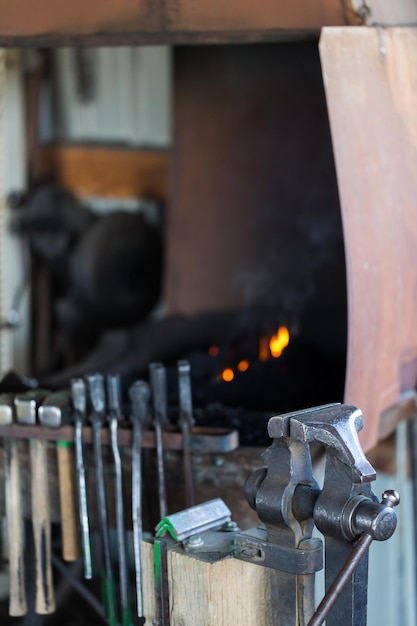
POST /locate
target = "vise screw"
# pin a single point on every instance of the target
(289, 503)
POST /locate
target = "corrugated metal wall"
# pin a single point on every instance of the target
(117, 95)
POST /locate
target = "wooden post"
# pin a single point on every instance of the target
(203, 593)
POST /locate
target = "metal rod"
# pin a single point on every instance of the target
(114, 399)
(391, 499)
(97, 416)
(341, 580)
(79, 400)
(139, 396)
(158, 383)
(78, 586)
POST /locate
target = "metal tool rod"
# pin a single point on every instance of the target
(114, 400)
(389, 498)
(186, 421)
(79, 587)
(139, 397)
(158, 384)
(79, 401)
(97, 398)
(341, 580)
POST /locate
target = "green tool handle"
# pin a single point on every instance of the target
(109, 600)
(127, 617)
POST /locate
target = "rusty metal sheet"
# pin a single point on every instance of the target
(370, 79)
(171, 21)
(254, 218)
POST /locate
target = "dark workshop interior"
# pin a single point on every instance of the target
(187, 278)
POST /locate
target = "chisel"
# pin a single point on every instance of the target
(14, 514)
(79, 402)
(26, 406)
(95, 384)
(139, 396)
(115, 415)
(55, 412)
(160, 420)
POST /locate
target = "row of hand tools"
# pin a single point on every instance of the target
(94, 400)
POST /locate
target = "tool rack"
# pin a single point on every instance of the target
(215, 454)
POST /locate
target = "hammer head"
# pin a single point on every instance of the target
(6, 409)
(26, 405)
(55, 410)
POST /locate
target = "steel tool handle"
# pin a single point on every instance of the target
(79, 401)
(114, 394)
(185, 396)
(79, 397)
(139, 395)
(159, 392)
(97, 395)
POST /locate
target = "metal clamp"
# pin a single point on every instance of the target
(289, 502)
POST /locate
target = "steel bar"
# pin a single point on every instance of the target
(160, 421)
(114, 402)
(79, 587)
(97, 398)
(79, 401)
(139, 397)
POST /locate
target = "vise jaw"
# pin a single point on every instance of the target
(290, 503)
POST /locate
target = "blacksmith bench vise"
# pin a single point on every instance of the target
(289, 503)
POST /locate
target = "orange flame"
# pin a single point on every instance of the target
(242, 366)
(279, 342)
(228, 375)
(213, 350)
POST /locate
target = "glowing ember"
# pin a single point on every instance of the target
(263, 349)
(228, 375)
(242, 366)
(279, 341)
(213, 350)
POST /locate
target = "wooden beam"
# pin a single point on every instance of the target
(57, 22)
(370, 78)
(107, 172)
